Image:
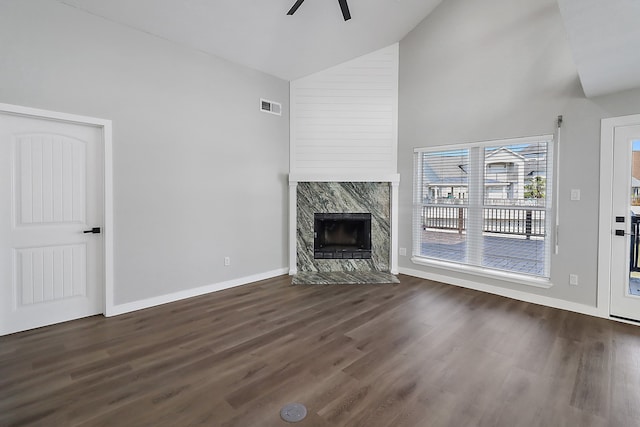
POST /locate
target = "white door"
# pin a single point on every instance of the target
(51, 193)
(625, 245)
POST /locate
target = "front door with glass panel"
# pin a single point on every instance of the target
(625, 253)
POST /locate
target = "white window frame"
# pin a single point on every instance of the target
(477, 202)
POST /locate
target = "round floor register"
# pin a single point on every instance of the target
(293, 412)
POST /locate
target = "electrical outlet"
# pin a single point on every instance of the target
(403, 251)
(573, 279)
(227, 261)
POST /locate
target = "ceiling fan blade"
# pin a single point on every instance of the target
(295, 7)
(345, 9)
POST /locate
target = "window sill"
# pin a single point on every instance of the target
(479, 271)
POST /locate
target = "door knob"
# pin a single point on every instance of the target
(94, 230)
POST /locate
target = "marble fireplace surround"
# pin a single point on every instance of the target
(343, 193)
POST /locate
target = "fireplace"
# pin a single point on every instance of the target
(312, 197)
(342, 236)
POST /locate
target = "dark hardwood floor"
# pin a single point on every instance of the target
(415, 354)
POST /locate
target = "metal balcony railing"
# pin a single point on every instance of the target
(522, 221)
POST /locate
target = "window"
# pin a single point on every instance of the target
(485, 205)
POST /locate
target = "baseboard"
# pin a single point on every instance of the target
(189, 293)
(509, 293)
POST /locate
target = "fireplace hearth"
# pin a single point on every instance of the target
(342, 236)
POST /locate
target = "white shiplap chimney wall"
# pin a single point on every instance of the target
(344, 119)
(344, 128)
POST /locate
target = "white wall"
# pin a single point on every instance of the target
(344, 119)
(475, 71)
(199, 171)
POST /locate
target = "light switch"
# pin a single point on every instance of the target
(575, 194)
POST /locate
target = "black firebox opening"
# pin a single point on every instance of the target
(342, 235)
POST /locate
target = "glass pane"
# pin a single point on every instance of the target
(515, 175)
(444, 235)
(634, 270)
(444, 177)
(513, 239)
(514, 214)
(443, 211)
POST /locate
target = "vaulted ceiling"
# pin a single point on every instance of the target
(604, 35)
(260, 35)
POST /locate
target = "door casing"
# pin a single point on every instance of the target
(605, 229)
(106, 129)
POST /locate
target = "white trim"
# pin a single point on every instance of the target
(108, 220)
(484, 272)
(396, 94)
(355, 177)
(65, 117)
(292, 126)
(605, 215)
(507, 141)
(189, 293)
(293, 228)
(107, 135)
(607, 136)
(555, 194)
(509, 293)
(394, 228)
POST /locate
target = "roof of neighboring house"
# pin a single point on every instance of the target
(504, 151)
(448, 170)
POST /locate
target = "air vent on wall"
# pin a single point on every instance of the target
(270, 107)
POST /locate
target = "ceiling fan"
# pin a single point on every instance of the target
(343, 5)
